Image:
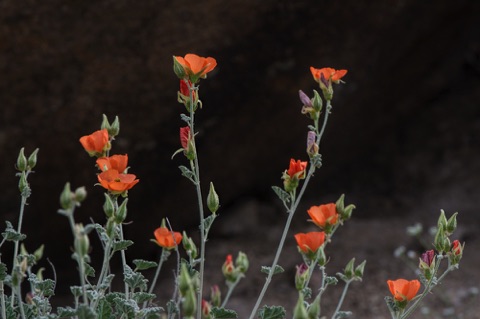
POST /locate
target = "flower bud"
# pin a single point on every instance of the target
(312, 146)
(215, 296)
(121, 212)
(32, 159)
(314, 309)
(241, 262)
(348, 271)
(228, 269)
(80, 194)
(81, 242)
(440, 240)
(38, 254)
(317, 101)
(452, 224)
(300, 312)
(321, 257)
(111, 227)
(114, 127)
(67, 200)
(206, 308)
(189, 304)
(22, 161)
(301, 277)
(108, 206)
(184, 280)
(359, 270)
(189, 246)
(442, 221)
(456, 252)
(212, 199)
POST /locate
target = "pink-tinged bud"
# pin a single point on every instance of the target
(187, 143)
(312, 147)
(215, 296)
(301, 276)
(305, 99)
(206, 308)
(456, 252)
(428, 257)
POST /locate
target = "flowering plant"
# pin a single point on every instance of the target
(95, 296)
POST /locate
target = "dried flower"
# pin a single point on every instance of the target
(115, 182)
(324, 216)
(96, 143)
(166, 238)
(402, 289)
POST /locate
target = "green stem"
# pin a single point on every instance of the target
(80, 260)
(342, 298)
(20, 303)
(19, 229)
(231, 287)
(124, 262)
(290, 215)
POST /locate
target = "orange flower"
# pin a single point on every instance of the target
(324, 215)
(402, 289)
(95, 143)
(328, 74)
(196, 67)
(310, 242)
(457, 248)
(297, 169)
(166, 238)
(117, 162)
(184, 136)
(115, 182)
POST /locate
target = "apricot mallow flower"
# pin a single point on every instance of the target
(327, 74)
(324, 216)
(118, 162)
(193, 66)
(295, 172)
(116, 182)
(96, 143)
(310, 242)
(166, 238)
(402, 289)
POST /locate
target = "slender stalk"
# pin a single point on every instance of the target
(20, 303)
(231, 287)
(19, 229)
(290, 215)
(342, 298)
(163, 257)
(124, 262)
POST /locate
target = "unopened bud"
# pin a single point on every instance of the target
(178, 69)
(314, 309)
(189, 304)
(321, 257)
(81, 242)
(32, 159)
(80, 194)
(228, 269)
(300, 312)
(67, 201)
(452, 223)
(206, 308)
(114, 127)
(215, 296)
(349, 272)
(241, 262)
(360, 269)
(213, 201)
(38, 254)
(442, 221)
(22, 161)
(317, 101)
(301, 277)
(189, 246)
(108, 206)
(121, 212)
(184, 280)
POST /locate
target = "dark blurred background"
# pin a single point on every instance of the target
(403, 138)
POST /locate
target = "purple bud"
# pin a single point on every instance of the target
(304, 98)
(428, 256)
(312, 147)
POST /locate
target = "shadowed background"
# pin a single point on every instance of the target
(402, 139)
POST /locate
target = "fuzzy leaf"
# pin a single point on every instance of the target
(222, 313)
(85, 312)
(152, 312)
(11, 234)
(187, 173)
(172, 308)
(141, 297)
(278, 269)
(89, 270)
(185, 118)
(134, 280)
(144, 264)
(207, 222)
(3, 271)
(283, 195)
(273, 312)
(104, 310)
(121, 245)
(66, 312)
